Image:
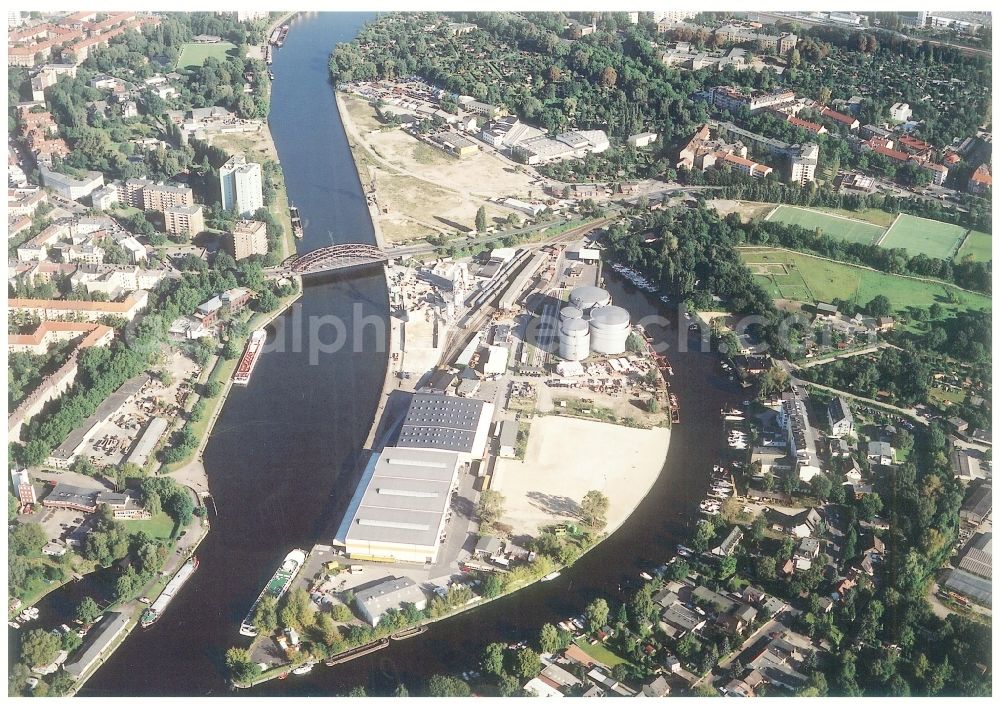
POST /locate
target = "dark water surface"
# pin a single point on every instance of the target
(282, 458)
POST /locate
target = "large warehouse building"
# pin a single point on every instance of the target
(398, 511)
(437, 422)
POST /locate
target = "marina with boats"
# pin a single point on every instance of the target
(155, 610)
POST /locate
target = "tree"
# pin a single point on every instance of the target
(821, 486)
(265, 618)
(492, 586)
(609, 77)
(493, 658)
(548, 639)
(341, 613)
(442, 686)
(527, 664)
(231, 350)
(489, 510)
(87, 611)
(597, 614)
(212, 389)
(239, 665)
(326, 630)
(879, 306)
(39, 648)
(61, 683)
(507, 685)
(481, 219)
(26, 539)
(401, 692)
(765, 567)
(594, 509)
(71, 641)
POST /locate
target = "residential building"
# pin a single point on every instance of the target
(104, 197)
(230, 301)
(677, 620)
(69, 187)
(813, 127)
(732, 99)
(248, 238)
(729, 543)
(185, 220)
(130, 192)
(981, 180)
(673, 16)
(900, 112)
(242, 186)
(391, 593)
(848, 121)
(22, 486)
(841, 419)
(772, 460)
(802, 161)
(794, 420)
(160, 197)
(880, 453)
(732, 34)
(643, 139)
(62, 309)
(135, 250)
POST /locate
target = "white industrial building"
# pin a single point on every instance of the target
(392, 593)
(399, 508)
(609, 329)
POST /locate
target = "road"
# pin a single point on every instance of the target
(853, 353)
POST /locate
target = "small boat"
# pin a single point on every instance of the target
(15, 625)
(270, 75)
(552, 576)
(303, 669)
(684, 551)
(645, 576)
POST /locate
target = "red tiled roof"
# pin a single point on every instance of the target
(838, 117)
(891, 153)
(805, 124)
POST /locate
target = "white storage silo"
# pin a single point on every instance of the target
(609, 329)
(568, 312)
(574, 339)
(587, 297)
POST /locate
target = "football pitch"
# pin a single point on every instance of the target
(835, 226)
(923, 236)
(194, 55)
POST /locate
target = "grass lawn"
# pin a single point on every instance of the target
(977, 245)
(837, 226)
(160, 526)
(788, 274)
(600, 652)
(916, 235)
(194, 55)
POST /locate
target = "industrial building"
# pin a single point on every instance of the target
(399, 508)
(391, 593)
(437, 422)
(103, 636)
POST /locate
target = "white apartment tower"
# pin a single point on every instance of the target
(241, 184)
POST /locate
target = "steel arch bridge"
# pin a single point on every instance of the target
(328, 259)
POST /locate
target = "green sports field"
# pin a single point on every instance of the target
(835, 226)
(977, 245)
(799, 277)
(920, 235)
(194, 55)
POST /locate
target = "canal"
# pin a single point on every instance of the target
(282, 460)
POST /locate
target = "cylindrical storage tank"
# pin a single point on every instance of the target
(609, 329)
(574, 339)
(568, 312)
(588, 297)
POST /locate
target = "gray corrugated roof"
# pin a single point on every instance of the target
(441, 422)
(106, 632)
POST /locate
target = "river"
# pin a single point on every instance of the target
(282, 460)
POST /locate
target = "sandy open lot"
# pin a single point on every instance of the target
(427, 191)
(566, 458)
(747, 210)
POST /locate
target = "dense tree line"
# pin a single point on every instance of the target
(905, 375)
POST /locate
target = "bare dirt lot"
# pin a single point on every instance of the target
(747, 210)
(425, 190)
(566, 458)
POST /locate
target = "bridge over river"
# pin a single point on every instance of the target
(329, 259)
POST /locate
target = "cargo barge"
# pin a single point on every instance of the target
(250, 356)
(155, 610)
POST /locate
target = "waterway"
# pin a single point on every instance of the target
(282, 458)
